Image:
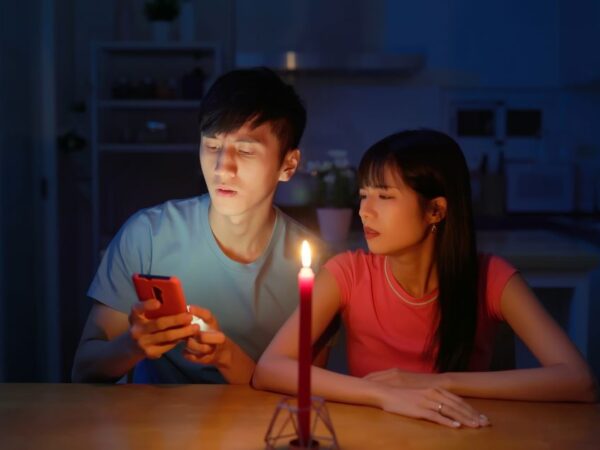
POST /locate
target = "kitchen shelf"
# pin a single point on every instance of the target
(135, 84)
(148, 148)
(149, 104)
(169, 48)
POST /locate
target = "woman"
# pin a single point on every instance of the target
(421, 307)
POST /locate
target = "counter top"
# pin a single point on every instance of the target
(526, 249)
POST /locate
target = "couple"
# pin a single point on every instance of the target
(420, 308)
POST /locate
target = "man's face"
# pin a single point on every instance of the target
(242, 168)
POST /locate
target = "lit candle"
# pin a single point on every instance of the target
(305, 282)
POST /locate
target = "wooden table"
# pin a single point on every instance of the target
(78, 416)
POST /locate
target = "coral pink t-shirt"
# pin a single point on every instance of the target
(383, 331)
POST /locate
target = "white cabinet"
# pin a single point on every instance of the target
(517, 123)
(508, 136)
(144, 127)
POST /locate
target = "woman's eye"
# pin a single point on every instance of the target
(385, 197)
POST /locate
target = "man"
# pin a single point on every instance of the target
(236, 255)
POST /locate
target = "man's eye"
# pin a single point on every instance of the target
(245, 150)
(385, 197)
(211, 147)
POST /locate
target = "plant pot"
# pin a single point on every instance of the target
(161, 29)
(334, 223)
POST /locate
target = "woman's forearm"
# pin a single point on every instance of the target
(558, 382)
(281, 374)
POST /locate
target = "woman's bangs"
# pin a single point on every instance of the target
(371, 172)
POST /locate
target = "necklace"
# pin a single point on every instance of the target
(398, 294)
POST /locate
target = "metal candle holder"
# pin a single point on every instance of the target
(284, 428)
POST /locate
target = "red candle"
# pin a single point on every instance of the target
(305, 282)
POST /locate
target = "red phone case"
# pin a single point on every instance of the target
(167, 290)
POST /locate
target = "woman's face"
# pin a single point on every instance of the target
(392, 216)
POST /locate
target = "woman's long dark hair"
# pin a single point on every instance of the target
(433, 165)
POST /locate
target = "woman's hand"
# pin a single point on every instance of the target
(433, 404)
(398, 378)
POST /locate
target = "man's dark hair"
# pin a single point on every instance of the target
(256, 95)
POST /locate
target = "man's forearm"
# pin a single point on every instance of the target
(235, 365)
(100, 360)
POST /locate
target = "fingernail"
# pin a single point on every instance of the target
(484, 419)
(456, 424)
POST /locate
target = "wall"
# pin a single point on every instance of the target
(495, 43)
(491, 45)
(580, 75)
(579, 37)
(3, 145)
(341, 116)
(309, 25)
(20, 332)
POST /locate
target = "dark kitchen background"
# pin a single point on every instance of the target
(98, 119)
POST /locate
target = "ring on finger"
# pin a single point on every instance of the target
(439, 408)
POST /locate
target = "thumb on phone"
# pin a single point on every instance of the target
(138, 309)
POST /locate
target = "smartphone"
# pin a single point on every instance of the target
(167, 290)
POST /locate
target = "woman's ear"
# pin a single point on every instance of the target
(289, 165)
(438, 207)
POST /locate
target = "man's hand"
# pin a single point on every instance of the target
(207, 347)
(153, 337)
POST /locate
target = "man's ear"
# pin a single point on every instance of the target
(437, 210)
(289, 164)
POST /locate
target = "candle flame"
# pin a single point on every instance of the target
(306, 259)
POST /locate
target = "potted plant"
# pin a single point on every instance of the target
(161, 13)
(336, 194)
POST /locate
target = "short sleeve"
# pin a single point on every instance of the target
(129, 252)
(497, 272)
(342, 268)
